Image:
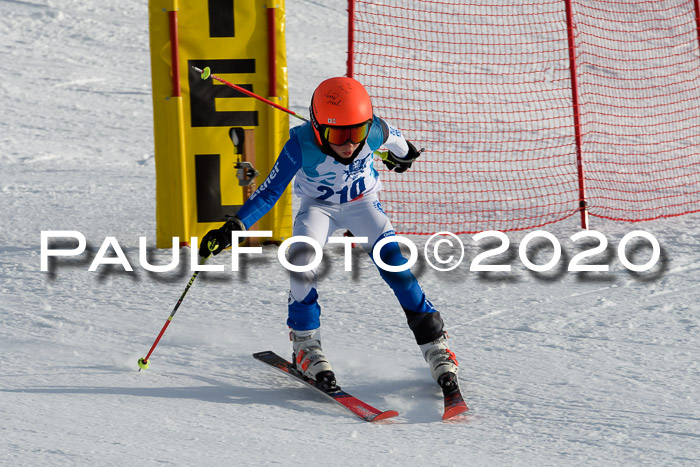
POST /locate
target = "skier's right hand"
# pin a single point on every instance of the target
(217, 240)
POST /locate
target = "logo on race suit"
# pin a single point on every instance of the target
(394, 131)
(355, 169)
(378, 207)
(273, 173)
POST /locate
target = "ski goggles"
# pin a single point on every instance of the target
(339, 135)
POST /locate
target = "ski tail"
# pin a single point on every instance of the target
(353, 404)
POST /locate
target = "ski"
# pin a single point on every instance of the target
(454, 405)
(353, 404)
(452, 396)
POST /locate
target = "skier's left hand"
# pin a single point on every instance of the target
(402, 164)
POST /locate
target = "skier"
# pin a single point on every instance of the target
(332, 158)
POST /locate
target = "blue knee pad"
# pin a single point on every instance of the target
(305, 315)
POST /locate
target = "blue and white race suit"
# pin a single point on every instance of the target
(334, 196)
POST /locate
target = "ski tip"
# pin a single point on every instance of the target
(385, 415)
(454, 411)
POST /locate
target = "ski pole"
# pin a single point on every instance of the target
(143, 362)
(206, 74)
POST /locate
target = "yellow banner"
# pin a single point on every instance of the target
(197, 162)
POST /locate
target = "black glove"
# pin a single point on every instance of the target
(402, 164)
(216, 240)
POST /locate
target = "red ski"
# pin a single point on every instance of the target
(353, 404)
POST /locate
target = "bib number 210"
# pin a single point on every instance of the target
(355, 190)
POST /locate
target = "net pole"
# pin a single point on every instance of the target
(351, 35)
(174, 52)
(583, 204)
(697, 17)
(272, 51)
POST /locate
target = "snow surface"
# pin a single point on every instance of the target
(558, 368)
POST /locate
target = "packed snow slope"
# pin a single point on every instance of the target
(558, 368)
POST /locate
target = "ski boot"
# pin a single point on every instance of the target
(443, 363)
(309, 359)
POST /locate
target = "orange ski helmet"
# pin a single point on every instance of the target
(341, 110)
